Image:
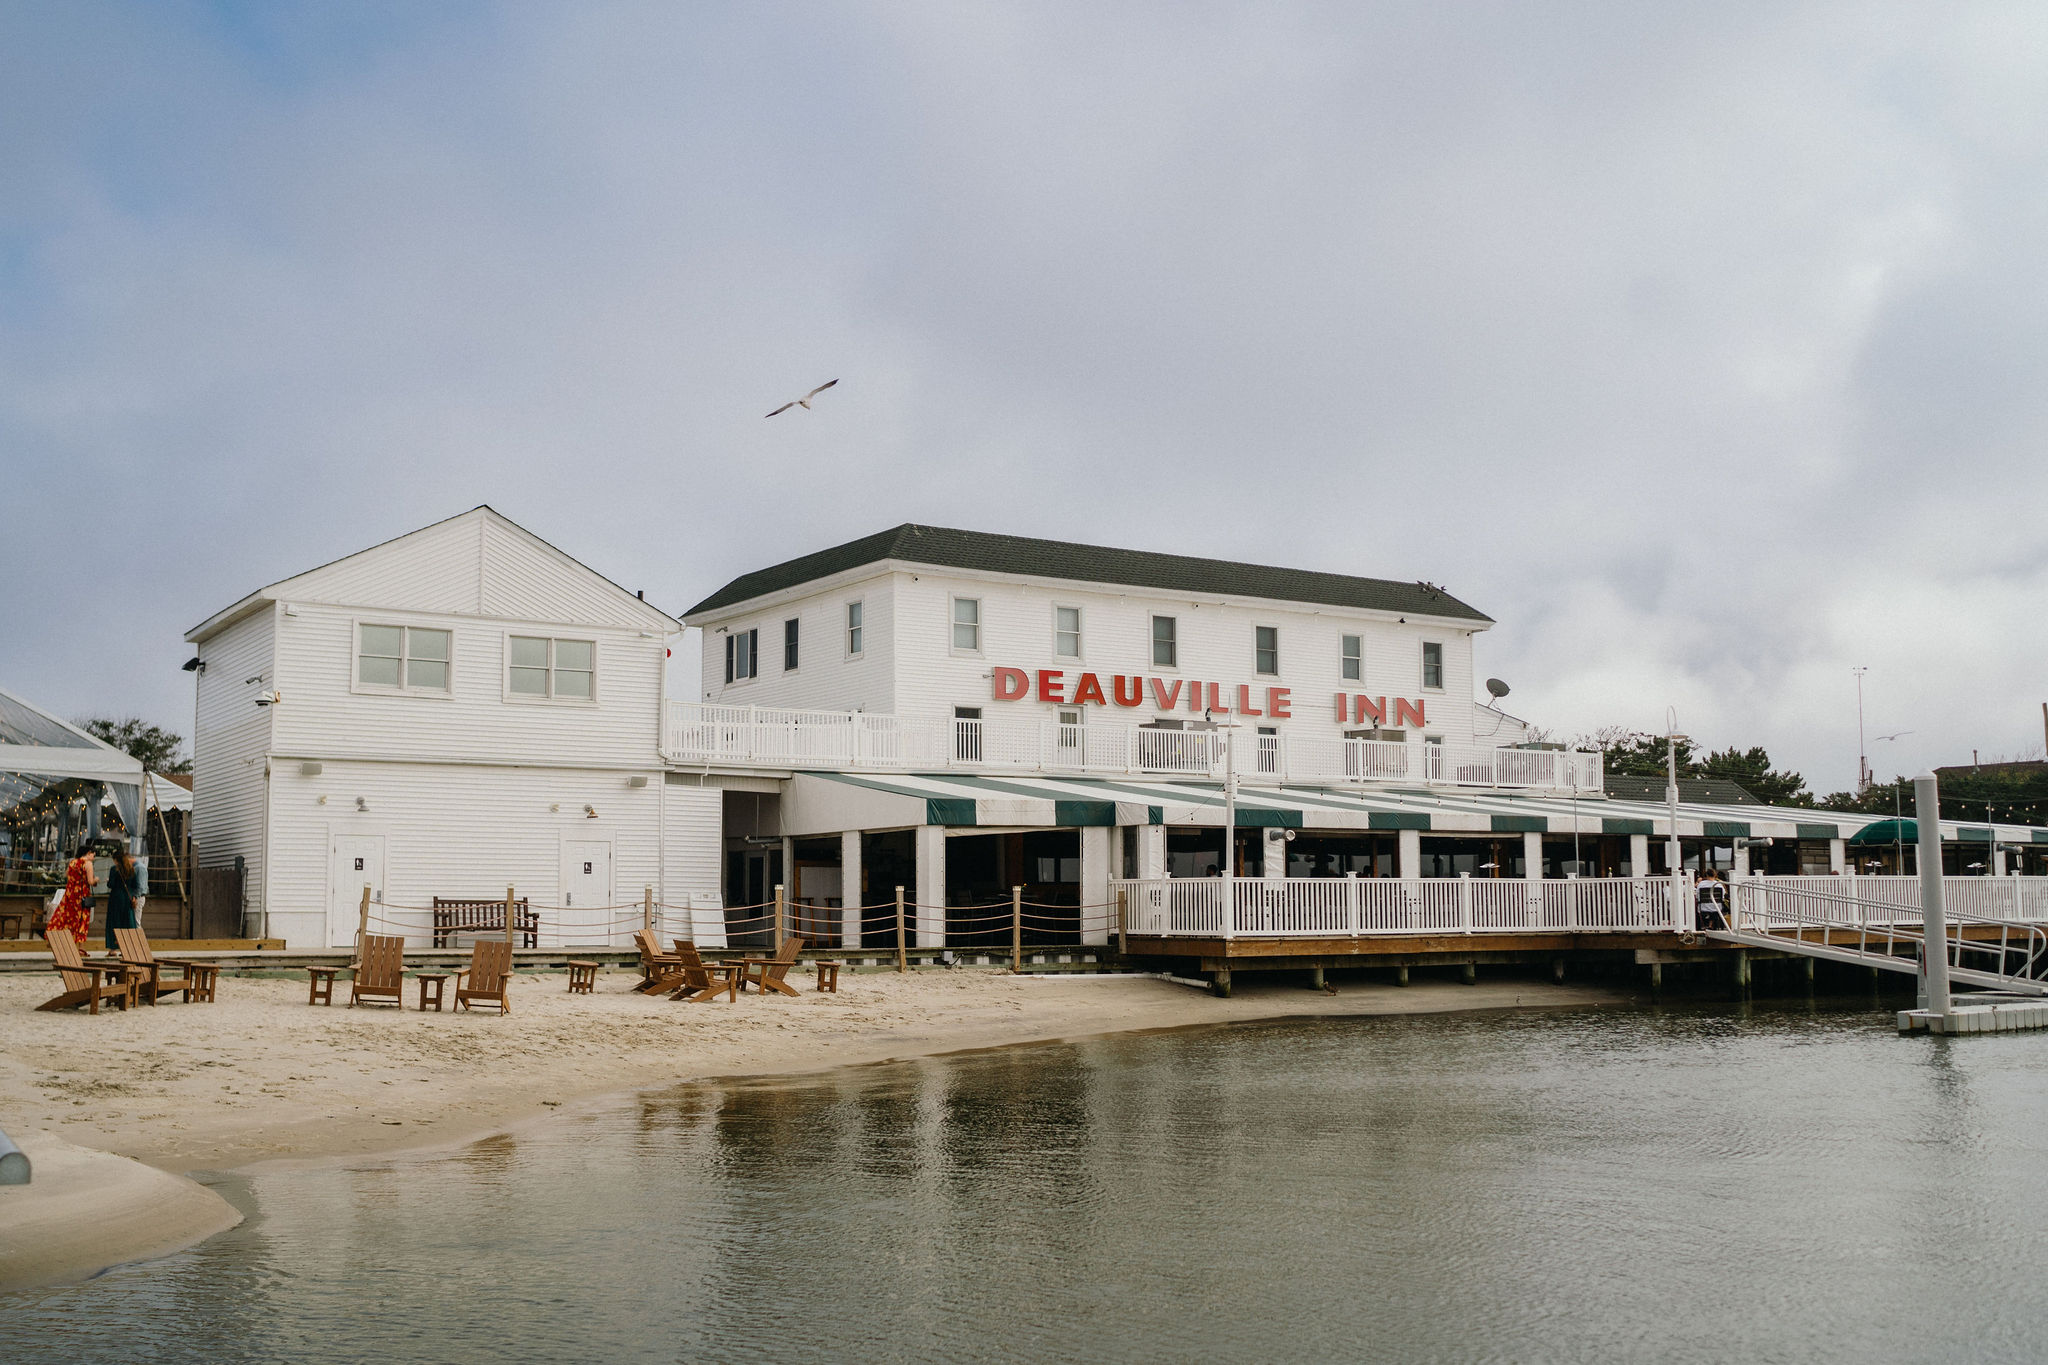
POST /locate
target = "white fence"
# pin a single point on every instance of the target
(700, 732)
(1354, 907)
(1859, 902)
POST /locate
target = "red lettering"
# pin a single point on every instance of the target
(1050, 688)
(1162, 698)
(1244, 701)
(1277, 704)
(1216, 700)
(1343, 709)
(1011, 683)
(1404, 707)
(1137, 693)
(1195, 697)
(1089, 689)
(1369, 707)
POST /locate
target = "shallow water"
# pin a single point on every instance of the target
(1691, 1184)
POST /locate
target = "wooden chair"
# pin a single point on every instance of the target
(379, 972)
(700, 980)
(766, 973)
(488, 974)
(197, 983)
(659, 972)
(87, 983)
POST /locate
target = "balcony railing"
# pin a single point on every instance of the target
(704, 732)
(1360, 907)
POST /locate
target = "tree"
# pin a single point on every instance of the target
(1631, 753)
(1751, 770)
(155, 748)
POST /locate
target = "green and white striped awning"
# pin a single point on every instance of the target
(817, 803)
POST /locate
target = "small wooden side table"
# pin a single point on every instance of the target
(582, 976)
(439, 981)
(11, 923)
(828, 976)
(323, 984)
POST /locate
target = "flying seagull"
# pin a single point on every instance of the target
(805, 401)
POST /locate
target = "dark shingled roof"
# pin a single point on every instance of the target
(1703, 791)
(944, 548)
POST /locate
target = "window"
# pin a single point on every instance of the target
(742, 655)
(789, 645)
(562, 669)
(1266, 649)
(1432, 664)
(967, 624)
(1165, 652)
(404, 657)
(854, 619)
(1354, 659)
(1066, 632)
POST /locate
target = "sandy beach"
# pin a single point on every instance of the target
(260, 1075)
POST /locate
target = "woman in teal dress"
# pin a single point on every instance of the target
(124, 885)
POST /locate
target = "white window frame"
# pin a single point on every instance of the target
(1152, 639)
(1080, 631)
(953, 623)
(855, 651)
(355, 661)
(790, 639)
(1274, 671)
(527, 698)
(753, 655)
(1442, 666)
(1346, 660)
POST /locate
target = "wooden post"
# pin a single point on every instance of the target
(778, 917)
(900, 966)
(1123, 918)
(1016, 929)
(363, 924)
(647, 909)
(511, 918)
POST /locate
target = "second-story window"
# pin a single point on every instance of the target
(405, 658)
(855, 628)
(1165, 642)
(742, 655)
(1066, 632)
(565, 670)
(967, 624)
(1354, 658)
(1266, 649)
(1432, 664)
(789, 629)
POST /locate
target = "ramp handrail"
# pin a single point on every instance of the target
(1757, 905)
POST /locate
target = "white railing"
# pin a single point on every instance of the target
(703, 732)
(1863, 901)
(1357, 907)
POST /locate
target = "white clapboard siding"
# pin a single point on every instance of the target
(230, 735)
(826, 678)
(325, 713)
(692, 836)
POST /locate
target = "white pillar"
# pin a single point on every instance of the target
(931, 886)
(788, 880)
(1838, 856)
(1096, 848)
(1151, 850)
(1276, 853)
(850, 896)
(1741, 868)
(1532, 854)
(1638, 855)
(1411, 853)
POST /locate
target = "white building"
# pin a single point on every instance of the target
(459, 710)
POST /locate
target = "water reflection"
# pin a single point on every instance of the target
(1678, 1183)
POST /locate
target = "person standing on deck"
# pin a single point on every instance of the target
(74, 912)
(1712, 901)
(123, 882)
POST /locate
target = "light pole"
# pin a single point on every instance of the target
(1862, 761)
(1673, 859)
(1898, 838)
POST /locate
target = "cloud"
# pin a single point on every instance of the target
(1695, 344)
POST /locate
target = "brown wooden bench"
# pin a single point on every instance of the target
(452, 917)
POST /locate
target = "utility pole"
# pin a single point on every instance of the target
(1674, 860)
(1862, 760)
(1229, 830)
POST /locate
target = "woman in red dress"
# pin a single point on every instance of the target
(75, 913)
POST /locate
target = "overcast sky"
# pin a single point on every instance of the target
(1703, 346)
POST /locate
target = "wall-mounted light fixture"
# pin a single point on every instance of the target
(312, 769)
(195, 664)
(362, 803)
(637, 781)
(322, 801)
(590, 812)
(555, 809)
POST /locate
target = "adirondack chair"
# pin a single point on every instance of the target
(488, 974)
(379, 971)
(197, 983)
(766, 973)
(659, 972)
(701, 981)
(87, 983)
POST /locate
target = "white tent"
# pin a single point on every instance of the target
(46, 762)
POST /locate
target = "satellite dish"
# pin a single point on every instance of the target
(1496, 688)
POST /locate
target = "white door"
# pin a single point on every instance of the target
(356, 861)
(585, 917)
